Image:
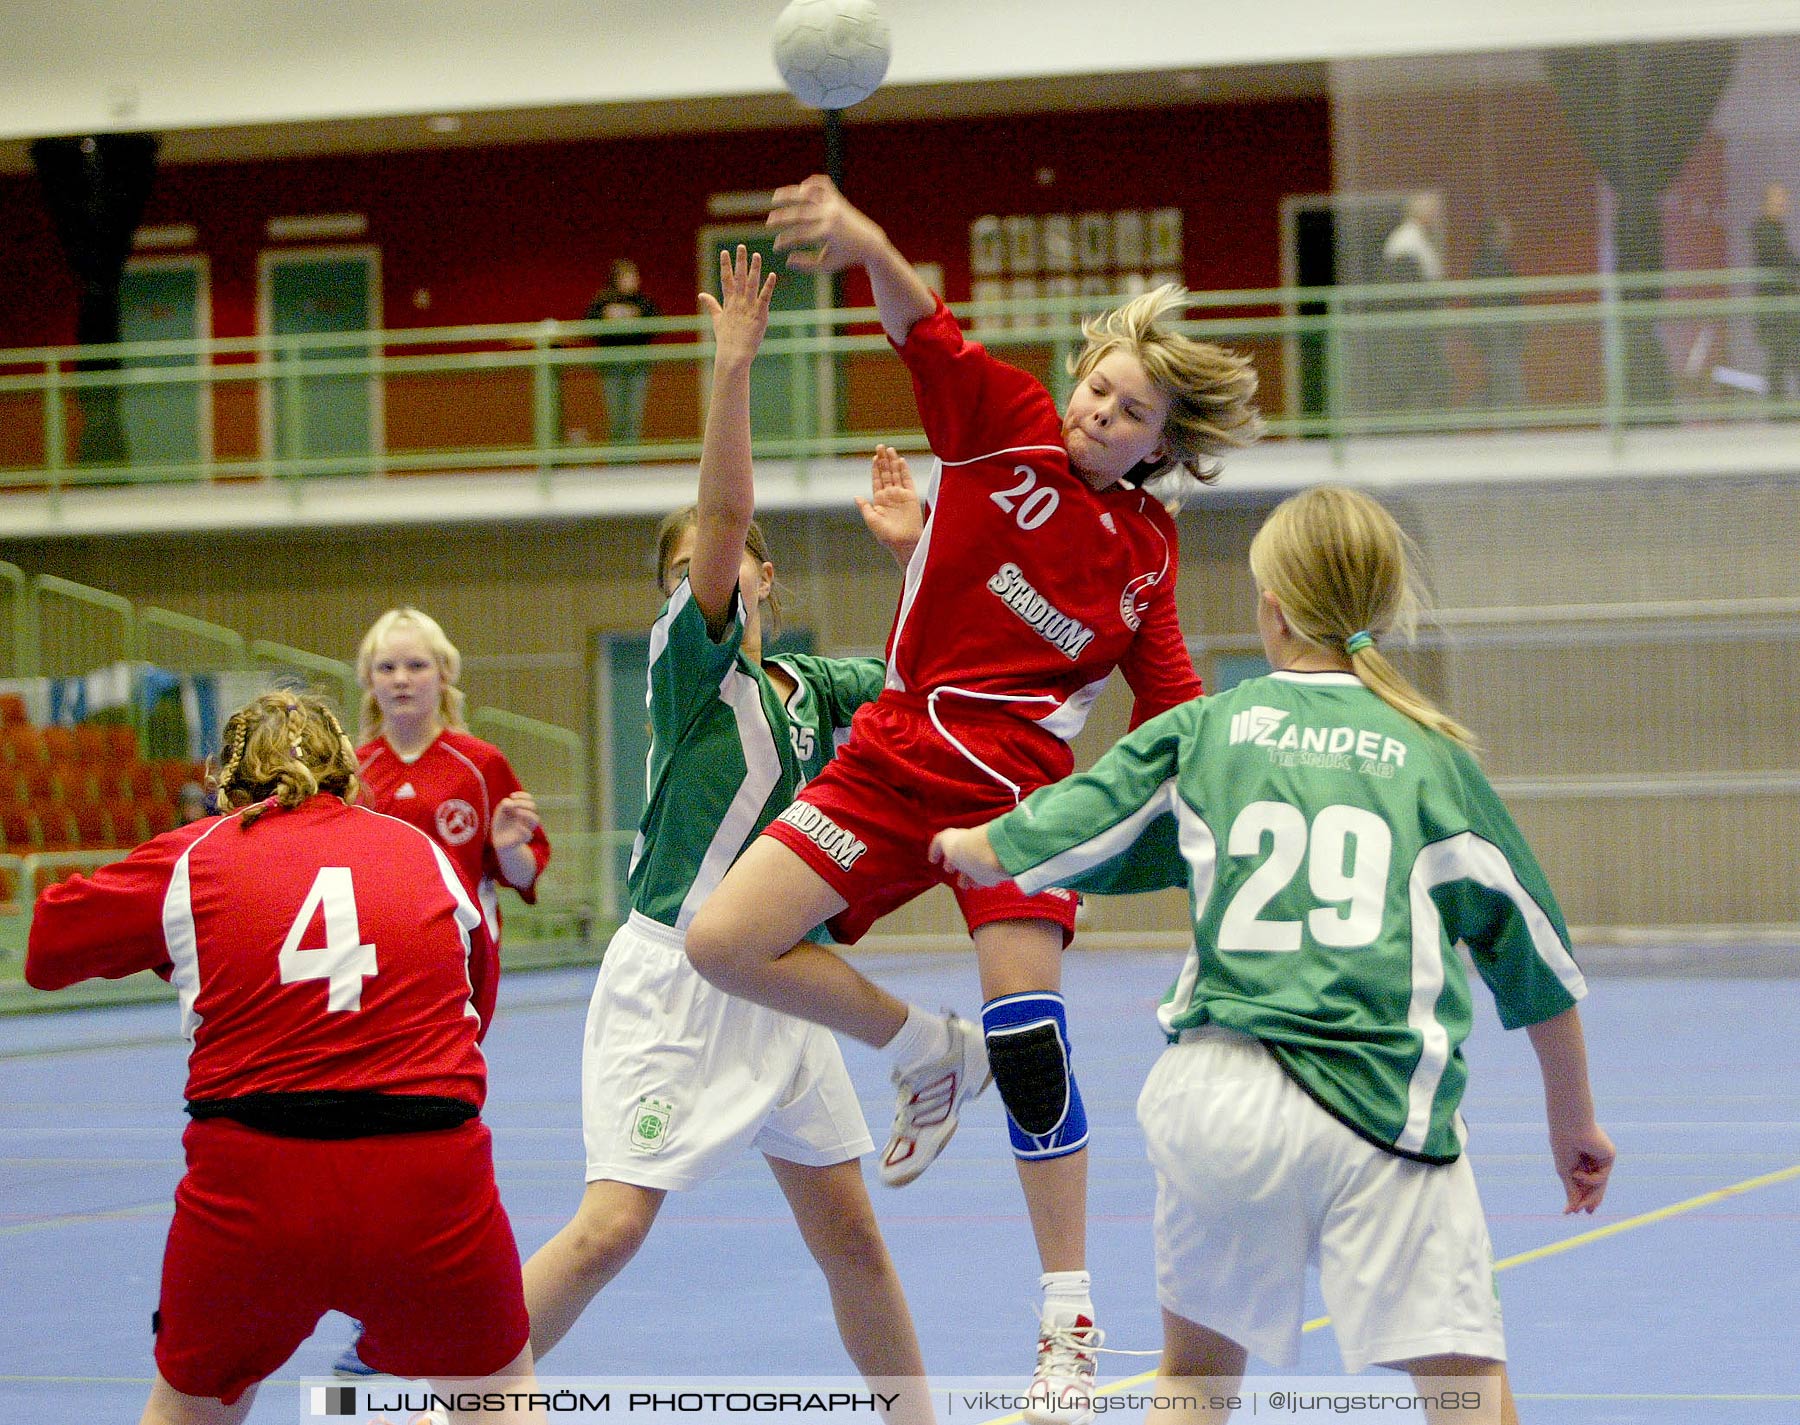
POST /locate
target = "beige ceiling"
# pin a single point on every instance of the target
(384, 134)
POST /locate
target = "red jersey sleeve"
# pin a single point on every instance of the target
(1156, 665)
(502, 782)
(108, 925)
(967, 397)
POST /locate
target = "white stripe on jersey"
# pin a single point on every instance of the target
(909, 587)
(1200, 849)
(995, 455)
(466, 914)
(1097, 850)
(659, 631)
(1465, 857)
(659, 642)
(1072, 716)
(487, 815)
(180, 937)
(762, 770)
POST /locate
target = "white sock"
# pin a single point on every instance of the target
(1066, 1296)
(925, 1036)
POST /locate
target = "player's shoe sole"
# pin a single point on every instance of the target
(930, 1101)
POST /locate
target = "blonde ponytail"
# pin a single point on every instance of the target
(1345, 575)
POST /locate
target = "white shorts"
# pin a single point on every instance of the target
(678, 1077)
(1254, 1181)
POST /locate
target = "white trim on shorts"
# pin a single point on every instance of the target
(1255, 1181)
(732, 1074)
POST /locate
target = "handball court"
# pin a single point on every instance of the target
(1676, 1303)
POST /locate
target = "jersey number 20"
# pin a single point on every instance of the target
(343, 961)
(1036, 506)
(1347, 853)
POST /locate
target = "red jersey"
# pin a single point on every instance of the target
(323, 949)
(1028, 586)
(449, 791)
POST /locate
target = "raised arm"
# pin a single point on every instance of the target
(893, 512)
(822, 231)
(727, 498)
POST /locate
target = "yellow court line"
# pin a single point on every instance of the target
(1612, 1229)
(71, 1219)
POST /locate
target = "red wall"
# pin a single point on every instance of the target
(519, 233)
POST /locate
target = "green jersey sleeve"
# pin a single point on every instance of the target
(842, 685)
(1494, 898)
(686, 663)
(1111, 829)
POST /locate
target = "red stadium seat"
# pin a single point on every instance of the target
(130, 825)
(159, 816)
(22, 830)
(59, 744)
(139, 781)
(44, 784)
(176, 774)
(81, 785)
(90, 742)
(13, 787)
(22, 743)
(94, 827)
(12, 710)
(121, 743)
(59, 829)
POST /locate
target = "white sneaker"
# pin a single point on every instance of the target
(1062, 1390)
(930, 1099)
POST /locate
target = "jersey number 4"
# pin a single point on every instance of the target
(343, 961)
(1347, 852)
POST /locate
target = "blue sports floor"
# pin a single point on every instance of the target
(1678, 1303)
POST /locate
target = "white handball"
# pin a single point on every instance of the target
(831, 53)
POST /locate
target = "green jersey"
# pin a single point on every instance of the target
(727, 753)
(1337, 854)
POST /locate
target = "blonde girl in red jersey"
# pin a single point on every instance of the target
(1045, 564)
(419, 762)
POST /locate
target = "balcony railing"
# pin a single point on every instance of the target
(1585, 352)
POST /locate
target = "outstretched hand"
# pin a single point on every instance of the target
(741, 319)
(819, 229)
(892, 512)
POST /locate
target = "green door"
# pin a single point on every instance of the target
(162, 422)
(328, 416)
(788, 391)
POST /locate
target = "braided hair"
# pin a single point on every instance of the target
(280, 749)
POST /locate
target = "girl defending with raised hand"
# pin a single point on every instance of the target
(1044, 565)
(679, 1078)
(1339, 843)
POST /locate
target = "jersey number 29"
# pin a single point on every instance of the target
(343, 961)
(1347, 853)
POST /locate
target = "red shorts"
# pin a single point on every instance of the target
(403, 1231)
(865, 823)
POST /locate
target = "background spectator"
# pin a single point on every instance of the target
(1779, 332)
(623, 383)
(1415, 374)
(1501, 344)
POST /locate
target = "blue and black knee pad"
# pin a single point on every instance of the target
(1028, 1051)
